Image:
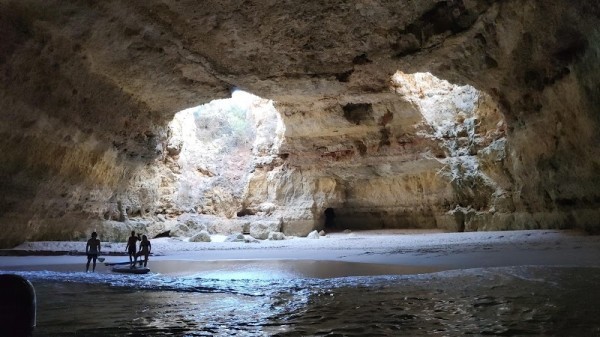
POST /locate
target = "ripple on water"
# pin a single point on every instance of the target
(516, 301)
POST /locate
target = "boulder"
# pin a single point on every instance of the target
(261, 229)
(276, 236)
(203, 236)
(313, 235)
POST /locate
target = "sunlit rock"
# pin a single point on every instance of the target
(262, 229)
(276, 236)
(425, 114)
(313, 235)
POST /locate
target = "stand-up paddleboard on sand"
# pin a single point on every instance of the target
(117, 263)
(125, 267)
(129, 270)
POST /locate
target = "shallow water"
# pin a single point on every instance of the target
(510, 301)
(249, 269)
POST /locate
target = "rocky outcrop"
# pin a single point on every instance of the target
(346, 117)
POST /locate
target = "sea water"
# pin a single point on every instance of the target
(507, 301)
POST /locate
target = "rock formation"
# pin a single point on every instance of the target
(456, 114)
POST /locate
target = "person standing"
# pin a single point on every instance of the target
(145, 248)
(131, 247)
(92, 249)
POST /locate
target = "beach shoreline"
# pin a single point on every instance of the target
(423, 251)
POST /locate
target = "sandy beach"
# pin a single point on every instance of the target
(367, 283)
(346, 254)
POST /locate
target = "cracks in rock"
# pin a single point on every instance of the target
(361, 147)
(385, 132)
(384, 139)
(338, 155)
(445, 19)
(361, 59)
(344, 76)
(204, 62)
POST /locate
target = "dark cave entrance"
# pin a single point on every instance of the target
(329, 218)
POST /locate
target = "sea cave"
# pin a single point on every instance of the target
(457, 115)
(266, 121)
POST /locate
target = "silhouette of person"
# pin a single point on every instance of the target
(131, 247)
(145, 248)
(92, 249)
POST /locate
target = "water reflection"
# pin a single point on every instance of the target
(105, 310)
(258, 269)
(515, 301)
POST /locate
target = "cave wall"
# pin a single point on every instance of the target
(409, 159)
(88, 91)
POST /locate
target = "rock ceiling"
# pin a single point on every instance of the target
(89, 91)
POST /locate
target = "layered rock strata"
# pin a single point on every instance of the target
(90, 91)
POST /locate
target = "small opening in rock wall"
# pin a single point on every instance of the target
(357, 112)
(329, 218)
(164, 234)
(245, 212)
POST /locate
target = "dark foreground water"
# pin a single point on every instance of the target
(515, 301)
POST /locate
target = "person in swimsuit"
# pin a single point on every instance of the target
(92, 249)
(145, 248)
(130, 248)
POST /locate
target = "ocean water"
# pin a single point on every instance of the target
(507, 301)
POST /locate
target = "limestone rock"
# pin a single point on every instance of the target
(393, 115)
(250, 239)
(276, 236)
(180, 230)
(313, 235)
(235, 238)
(261, 229)
(203, 236)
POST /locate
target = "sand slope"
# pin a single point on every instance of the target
(406, 248)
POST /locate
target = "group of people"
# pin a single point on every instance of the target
(92, 250)
(144, 250)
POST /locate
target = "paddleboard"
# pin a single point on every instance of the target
(129, 270)
(116, 263)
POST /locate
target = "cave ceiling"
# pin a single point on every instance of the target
(88, 89)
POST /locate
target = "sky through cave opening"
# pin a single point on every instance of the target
(216, 147)
(433, 168)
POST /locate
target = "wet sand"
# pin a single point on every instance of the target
(543, 286)
(364, 253)
(248, 269)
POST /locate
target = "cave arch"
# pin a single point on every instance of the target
(94, 121)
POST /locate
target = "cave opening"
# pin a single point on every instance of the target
(225, 160)
(455, 137)
(213, 155)
(329, 218)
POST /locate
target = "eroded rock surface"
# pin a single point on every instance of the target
(90, 138)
